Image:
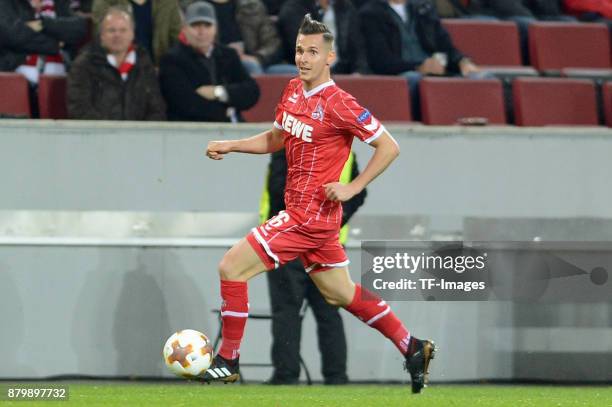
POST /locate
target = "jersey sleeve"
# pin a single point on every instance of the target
(356, 121)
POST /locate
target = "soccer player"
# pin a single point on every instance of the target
(315, 123)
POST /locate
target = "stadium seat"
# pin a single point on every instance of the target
(387, 88)
(599, 77)
(14, 98)
(554, 101)
(271, 88)
(588, 73)
(445, 101)
(486, 42)
(387, 97)
(553, 46)
(607, 102)
(52, 97)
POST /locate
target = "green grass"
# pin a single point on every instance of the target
(192, 394)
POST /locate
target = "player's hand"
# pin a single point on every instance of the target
(336, 191)
(217, 149)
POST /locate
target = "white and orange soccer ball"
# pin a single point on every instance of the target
(188, 353)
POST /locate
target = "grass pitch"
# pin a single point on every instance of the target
(193, 394)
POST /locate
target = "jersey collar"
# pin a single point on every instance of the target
(319, 88)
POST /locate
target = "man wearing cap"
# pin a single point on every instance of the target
(201, 79)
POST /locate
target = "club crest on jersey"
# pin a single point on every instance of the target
(296, 128)
(318, 113)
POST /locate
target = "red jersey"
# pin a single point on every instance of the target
(318, 129)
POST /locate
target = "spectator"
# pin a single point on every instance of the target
(590, 10)
(203, 80)
(406, 37)
(548, 10)
(273, 7)
(464, 9)
(38, 31)
(341, 18)
(82, 7)
(114, 79)
(245, 26)
(290, 17)
(289, 286)
(158, 22)
(506, 9)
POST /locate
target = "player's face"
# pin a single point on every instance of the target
(116, 33)
(313, 57)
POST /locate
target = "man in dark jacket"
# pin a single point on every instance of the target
(30, 31)
(463, 9)
(203, 80)
(114, 79)
(289, 286)
(342, 19)
(246, 26)
(406, 37)
(541, 9)
(536, 9)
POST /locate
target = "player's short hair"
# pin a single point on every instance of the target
(310, 26)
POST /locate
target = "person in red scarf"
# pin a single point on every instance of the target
(601, 7)
(37, 30)
(113, 79)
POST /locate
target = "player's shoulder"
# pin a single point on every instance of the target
(293, 85)
(291, 89)
(335, 95)
(343, 104)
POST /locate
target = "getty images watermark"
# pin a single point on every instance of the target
(485, 271)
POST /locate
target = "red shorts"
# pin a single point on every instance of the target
(288, 236)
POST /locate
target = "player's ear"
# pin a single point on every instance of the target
(331, 57)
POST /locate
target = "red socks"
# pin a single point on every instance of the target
(375, 312)
(234, 314)
(365, 306)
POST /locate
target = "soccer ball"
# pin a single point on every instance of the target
(188, 353)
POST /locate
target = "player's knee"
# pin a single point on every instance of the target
(336, 299)
(226, 269)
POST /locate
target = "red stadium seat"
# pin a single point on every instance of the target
(52, 97)
(587, 73)
(554, 101)
(553, 46)
(607, 103)
(14, 99)
(387, 97)
(271, 88)
(444, 101)
(486, 42)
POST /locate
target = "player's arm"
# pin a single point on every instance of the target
(269, 141)
(386, 150)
